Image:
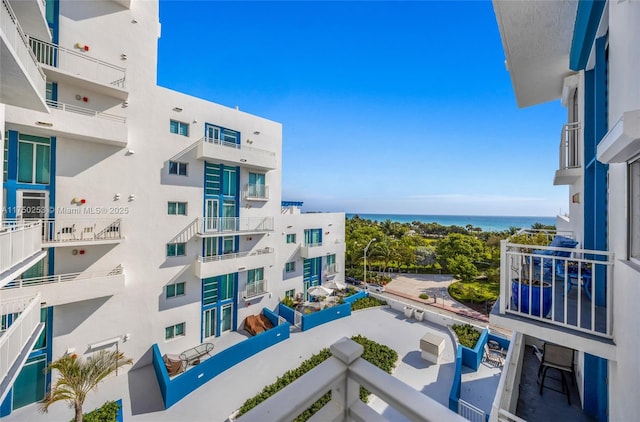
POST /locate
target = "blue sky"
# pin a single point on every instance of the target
(387, 107)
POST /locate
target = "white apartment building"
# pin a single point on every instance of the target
(132, 214)
(586, 54)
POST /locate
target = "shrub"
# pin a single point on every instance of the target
(366, 302)
(424, 296)
(467, 335)
(287, 301)
(106, 413)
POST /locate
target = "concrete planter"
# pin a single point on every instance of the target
(419, 314)
(408, 311)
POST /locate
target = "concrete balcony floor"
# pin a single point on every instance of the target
(551, 405)
(216, 400)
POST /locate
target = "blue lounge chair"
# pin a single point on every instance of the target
(550, 258)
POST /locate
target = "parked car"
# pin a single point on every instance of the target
(375, 287)
(352, 280)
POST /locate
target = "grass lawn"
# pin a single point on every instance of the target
(475, 292)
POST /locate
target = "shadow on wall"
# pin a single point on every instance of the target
(91, 153)
(79, 10)
(144, 391)
(69, 317)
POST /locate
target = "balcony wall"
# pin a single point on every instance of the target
(20, 248)
(68, 288)
(22, 81)
(71, 122)
(32, 17)
(211, 266)
(576, 303)
(226, 226)
(236, 154)
(321, 249)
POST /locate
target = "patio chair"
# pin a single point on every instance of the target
(493, 356)
(552, 258)
(561, 359)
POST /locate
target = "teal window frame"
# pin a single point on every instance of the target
(5, 157)
(176, 208)
(217, 289)
(312, 237)
(178, 127)
(174, 290)
(34, 159)
(634, 210)
(173, 331)
(331, 259)
(178, 168)
(290, 267)
(229, 181)
(176, 249)
(212, 179)
(290, 293)
(291, 238)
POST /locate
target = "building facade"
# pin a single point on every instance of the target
(585, 54)
(132, 214)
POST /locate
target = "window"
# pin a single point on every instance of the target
(33, 159)
(256, 187)
(216, 289)
(5, 168)
(177, 208)
(174, 331)
(229, 181)
(179, 128)
(291, 238)
(634, 209)
(313, 237)
(331, 260)
(173, 290)
(222, 135)
(290, 267)
(178, 168)
(176, 249)
(290, 293)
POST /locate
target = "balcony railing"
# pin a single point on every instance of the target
(257, 288)
(63, 278)
(227, 256)
(223, 143)
(14, 338)
(229, 225)
(77, 63)
(19, 41)
(576, 292)
(569, 146)
(331, 269)
(85, 111)
(343, 374)
(256, 192)
(18, 242)
(62, 231)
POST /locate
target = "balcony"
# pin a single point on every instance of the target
(211, 266)
(228, 226)
(22, 81)
(32, 17)
(72, 122)
(81, 232)
(315, 250)
(330, 270)
(20, 248)
(256, 193)
(68, 288)
(569, 169)
(343, 374)
(79, 69)
(235, 154)
(18, 339)
(575, 305)
(254, 290)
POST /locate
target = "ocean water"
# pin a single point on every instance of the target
(485, 222)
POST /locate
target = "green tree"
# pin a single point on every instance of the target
(459, 244)
(462, 267)
(425, 255)
(77, 377)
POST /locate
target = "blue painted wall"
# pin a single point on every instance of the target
(174, 390)
(326, 315)
(472, 358)
(454, 395)
(272, 316)
(585, 28)
(359, 295)
(287, 313)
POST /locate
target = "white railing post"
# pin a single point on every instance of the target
(505, 294)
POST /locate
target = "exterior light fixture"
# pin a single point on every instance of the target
(178, 109)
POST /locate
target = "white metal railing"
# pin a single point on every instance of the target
(78, 63)
(256, 191)
(18, 242)
(470, 412)
(508, 391)
(85, 111)
(313, 245)
(255, 288)
(569, 146)
(15, 337)
(226, 256)
(63, 278)
(505, 416)
(19, 41)
(222, 143)
(577, 286)
(331, 269)
(76, 230)
(211, 225)
(343, 374)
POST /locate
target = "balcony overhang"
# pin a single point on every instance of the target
(536, 39)
(21, 267)
(622, 142)
(594, 345)
(18, 364)
(32, 17)
(70, 125)
(321, 250)
(567, 176)
(242, 156)
(59, 75)
(232, 263)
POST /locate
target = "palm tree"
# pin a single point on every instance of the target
(78, 376)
